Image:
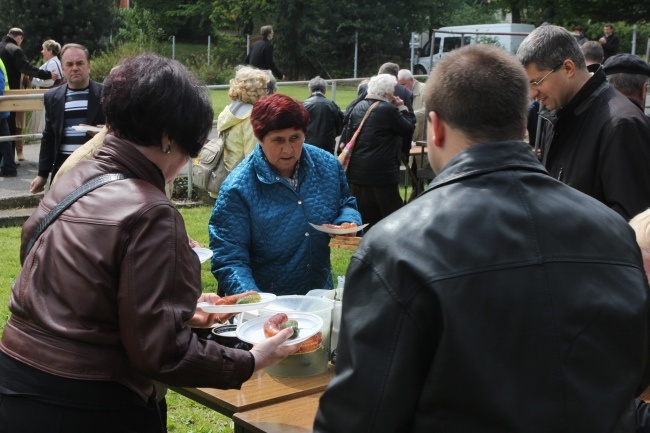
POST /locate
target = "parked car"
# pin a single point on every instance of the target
(446, 39)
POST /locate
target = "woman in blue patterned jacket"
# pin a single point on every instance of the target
(259, 228)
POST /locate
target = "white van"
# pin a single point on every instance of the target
(445, 39)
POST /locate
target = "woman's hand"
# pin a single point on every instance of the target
(270, 352)
(202, 319)
(397, 101)
(342, 226)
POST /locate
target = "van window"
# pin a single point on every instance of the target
(453, 42)
(426, 50)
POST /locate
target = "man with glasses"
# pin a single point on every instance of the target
(591, 137)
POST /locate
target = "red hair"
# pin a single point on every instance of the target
(277, 112)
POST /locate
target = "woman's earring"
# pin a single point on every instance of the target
(168, 149)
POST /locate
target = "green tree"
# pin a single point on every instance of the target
(87, 22)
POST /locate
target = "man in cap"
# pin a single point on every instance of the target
(592, 138)
(629, 74)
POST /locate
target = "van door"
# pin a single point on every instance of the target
(424, 59)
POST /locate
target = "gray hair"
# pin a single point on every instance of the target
(317, 84)
(382, 84)
(593, 52)
(549, 46)
(404, 74)
(627, 84)
(272, 85)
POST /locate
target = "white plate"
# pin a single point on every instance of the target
(253, 331)
(267, 298)
(204, 253)
(339, 231)
(87, 128)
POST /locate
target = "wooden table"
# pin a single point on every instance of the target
(261, 390)
(292, 416)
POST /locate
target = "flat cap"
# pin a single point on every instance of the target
(626, 64)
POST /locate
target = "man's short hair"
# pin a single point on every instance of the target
(15, 31)
(317, 84)
(549, 46)
(404, 74)
(579, 28)
(66, 47)
(482, 91)
(593, 52)
(627, 84)
(610, 25)
(389, 68)
(265, 31)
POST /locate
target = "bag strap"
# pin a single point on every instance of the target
(356, 133)
(71, 198)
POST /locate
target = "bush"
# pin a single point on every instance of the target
(104, 61)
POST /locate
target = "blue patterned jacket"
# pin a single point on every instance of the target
(259, 228)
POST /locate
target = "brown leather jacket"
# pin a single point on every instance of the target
(106, 290)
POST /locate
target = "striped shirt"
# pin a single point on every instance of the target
(76, 112)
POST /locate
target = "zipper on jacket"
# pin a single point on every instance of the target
(559, 176)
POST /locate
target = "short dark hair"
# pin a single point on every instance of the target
(593, 51)
(482, 91)
(148, 95)
(66, 47)
(610, 25)
(15, 31)
(266, 30)
(277, 112)
(389, 68)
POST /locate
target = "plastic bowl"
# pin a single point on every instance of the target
(225, 335)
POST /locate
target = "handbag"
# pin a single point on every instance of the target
(209, 170)
(69, 199)
(346, 152)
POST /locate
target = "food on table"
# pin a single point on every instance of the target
(280, 321)
(232, 299)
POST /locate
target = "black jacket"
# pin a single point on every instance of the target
(600, 144)
(16, 63)
(54, 101)
(610, 47)
(500, 300)
(325, 122)
(376, 156)
(261, 56)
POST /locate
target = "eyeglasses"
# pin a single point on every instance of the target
(538, 83)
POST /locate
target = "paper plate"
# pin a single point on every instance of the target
(87, 128)
(339, 231)
(267, 298)
(253, 331)
(204, 254)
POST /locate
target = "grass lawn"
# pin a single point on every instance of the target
(344, 95)
(184, 415)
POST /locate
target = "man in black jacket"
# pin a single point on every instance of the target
(500, 300)
(67, 107)
(325, 117)
(609, 41)
(16, 63)
(592, 137)
(261, 55)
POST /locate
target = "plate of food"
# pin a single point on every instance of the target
(238, 303)
(338, 230)
(305, 326)
(204, 254)
(87, 128)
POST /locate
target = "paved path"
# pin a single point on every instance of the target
(19, 186)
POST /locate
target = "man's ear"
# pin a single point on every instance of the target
(569, 67)
(437, 129)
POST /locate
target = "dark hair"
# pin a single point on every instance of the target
(610, 25)
(277, 112)
(482, 91)
(66, 47)
(148, 95)
(15, 31)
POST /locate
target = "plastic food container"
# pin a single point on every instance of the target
(303, 364)
(336, 316)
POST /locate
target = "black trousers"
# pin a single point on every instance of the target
(21, 414)
(376, 201)
(8, 163)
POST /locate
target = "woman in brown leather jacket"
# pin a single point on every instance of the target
(106, 297)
